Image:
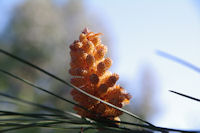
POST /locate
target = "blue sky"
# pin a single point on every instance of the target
(138, 28)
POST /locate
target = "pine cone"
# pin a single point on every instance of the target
(90, 73)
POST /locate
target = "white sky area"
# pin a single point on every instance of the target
(140, 27)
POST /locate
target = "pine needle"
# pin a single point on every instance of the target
(182, 62)
(184, 95)
(61, 80)
(178, 60)
(47, 108)
(59, 119)
(40, 88)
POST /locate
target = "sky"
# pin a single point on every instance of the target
(6, 10)
(140, 27)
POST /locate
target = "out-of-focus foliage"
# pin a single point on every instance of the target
(41, 31)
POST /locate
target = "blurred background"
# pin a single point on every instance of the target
(42, 30)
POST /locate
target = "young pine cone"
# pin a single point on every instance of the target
(90, 71)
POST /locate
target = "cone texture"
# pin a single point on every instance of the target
(89, 69)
